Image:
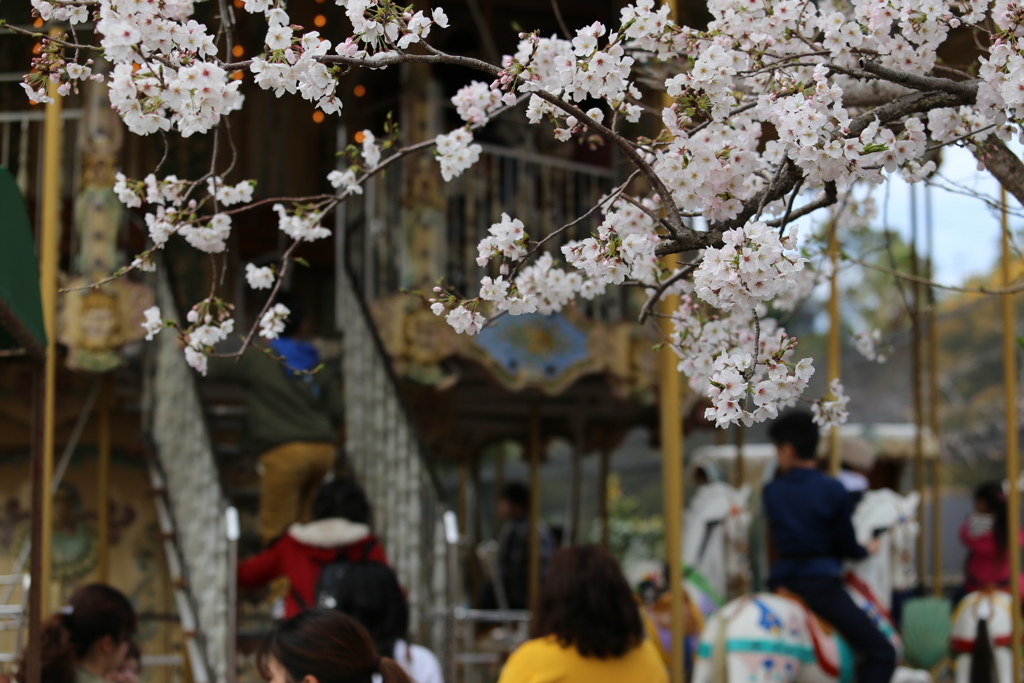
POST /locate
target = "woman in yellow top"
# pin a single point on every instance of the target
(587, 627)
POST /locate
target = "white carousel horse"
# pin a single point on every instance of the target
(716, 537)
(767, 638)
(981, 637)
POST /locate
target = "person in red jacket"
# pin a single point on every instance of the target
(341, 517)
(986, 536)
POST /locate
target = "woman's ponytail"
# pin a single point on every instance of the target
(57, 653)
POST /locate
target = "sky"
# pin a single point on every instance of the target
(966, 229)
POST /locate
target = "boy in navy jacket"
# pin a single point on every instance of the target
(809, 514)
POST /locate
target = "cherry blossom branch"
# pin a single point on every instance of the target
(1013, 289)
(830, 197)
(648, 308)
(967, 90)
(908, 104)
(678, 228)
(1004, 165)
(47, 37)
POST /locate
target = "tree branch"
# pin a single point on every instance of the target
(968, 90)
(908, 104)
(1004, 165)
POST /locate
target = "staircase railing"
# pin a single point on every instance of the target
(384, 452)
(182, 445)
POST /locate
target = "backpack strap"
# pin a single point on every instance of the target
(298, 600)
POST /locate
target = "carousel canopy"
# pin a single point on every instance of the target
(21, 311)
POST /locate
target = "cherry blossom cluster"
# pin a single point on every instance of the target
(476, 102)
(869, 345)
(301, 225)
(753, 266)
(273, 322)
(623, 247)
(52, 67)
(59, 11)
(210, 323)
(456, 152)
(831, 411)
(748, 376)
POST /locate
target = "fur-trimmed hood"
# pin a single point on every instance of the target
(332, 532)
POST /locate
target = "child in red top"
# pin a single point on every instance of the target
(341, 516)
(985, 534)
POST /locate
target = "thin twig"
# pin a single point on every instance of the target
(646, 310)
(561, 22)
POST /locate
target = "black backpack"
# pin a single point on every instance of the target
(333, 576)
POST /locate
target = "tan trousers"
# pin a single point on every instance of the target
(291, 474)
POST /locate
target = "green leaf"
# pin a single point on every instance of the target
(301, 261)
(875, 147)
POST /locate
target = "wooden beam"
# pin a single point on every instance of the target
(535, 445)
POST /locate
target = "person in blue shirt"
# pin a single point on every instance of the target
(809, 514)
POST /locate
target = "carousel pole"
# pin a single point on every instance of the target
(672, 493)
(49, 257)
(671, 428)
(1012, 452)
(535, 448)
(915, 377)
(933, 401)
(834, 349)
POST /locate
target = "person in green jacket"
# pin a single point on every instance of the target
(293, 418)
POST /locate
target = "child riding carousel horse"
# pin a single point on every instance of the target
(809, 514)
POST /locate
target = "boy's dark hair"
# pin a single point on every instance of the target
(372, 595)
(296, 317)
(342, 498)
(517, 494)
(797, 428)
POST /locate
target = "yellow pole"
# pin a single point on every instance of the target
(103, 487)
(933, 405)
(49, 254)
(835, 457)
(535, 448)
(672, 487)
(915, 378)
(1012, 452)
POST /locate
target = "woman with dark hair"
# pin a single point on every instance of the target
(372, 595)
(587, 627)
(87, 639)
(340, 530)
(131, 667)
(324, 646)
(985, 533)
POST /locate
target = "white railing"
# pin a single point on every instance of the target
(182, 446)
(384, 454)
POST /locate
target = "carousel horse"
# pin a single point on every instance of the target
(715, 560)
(981, 637)
(716, 538)
(769, 638)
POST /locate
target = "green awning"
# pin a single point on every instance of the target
(21, 310)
